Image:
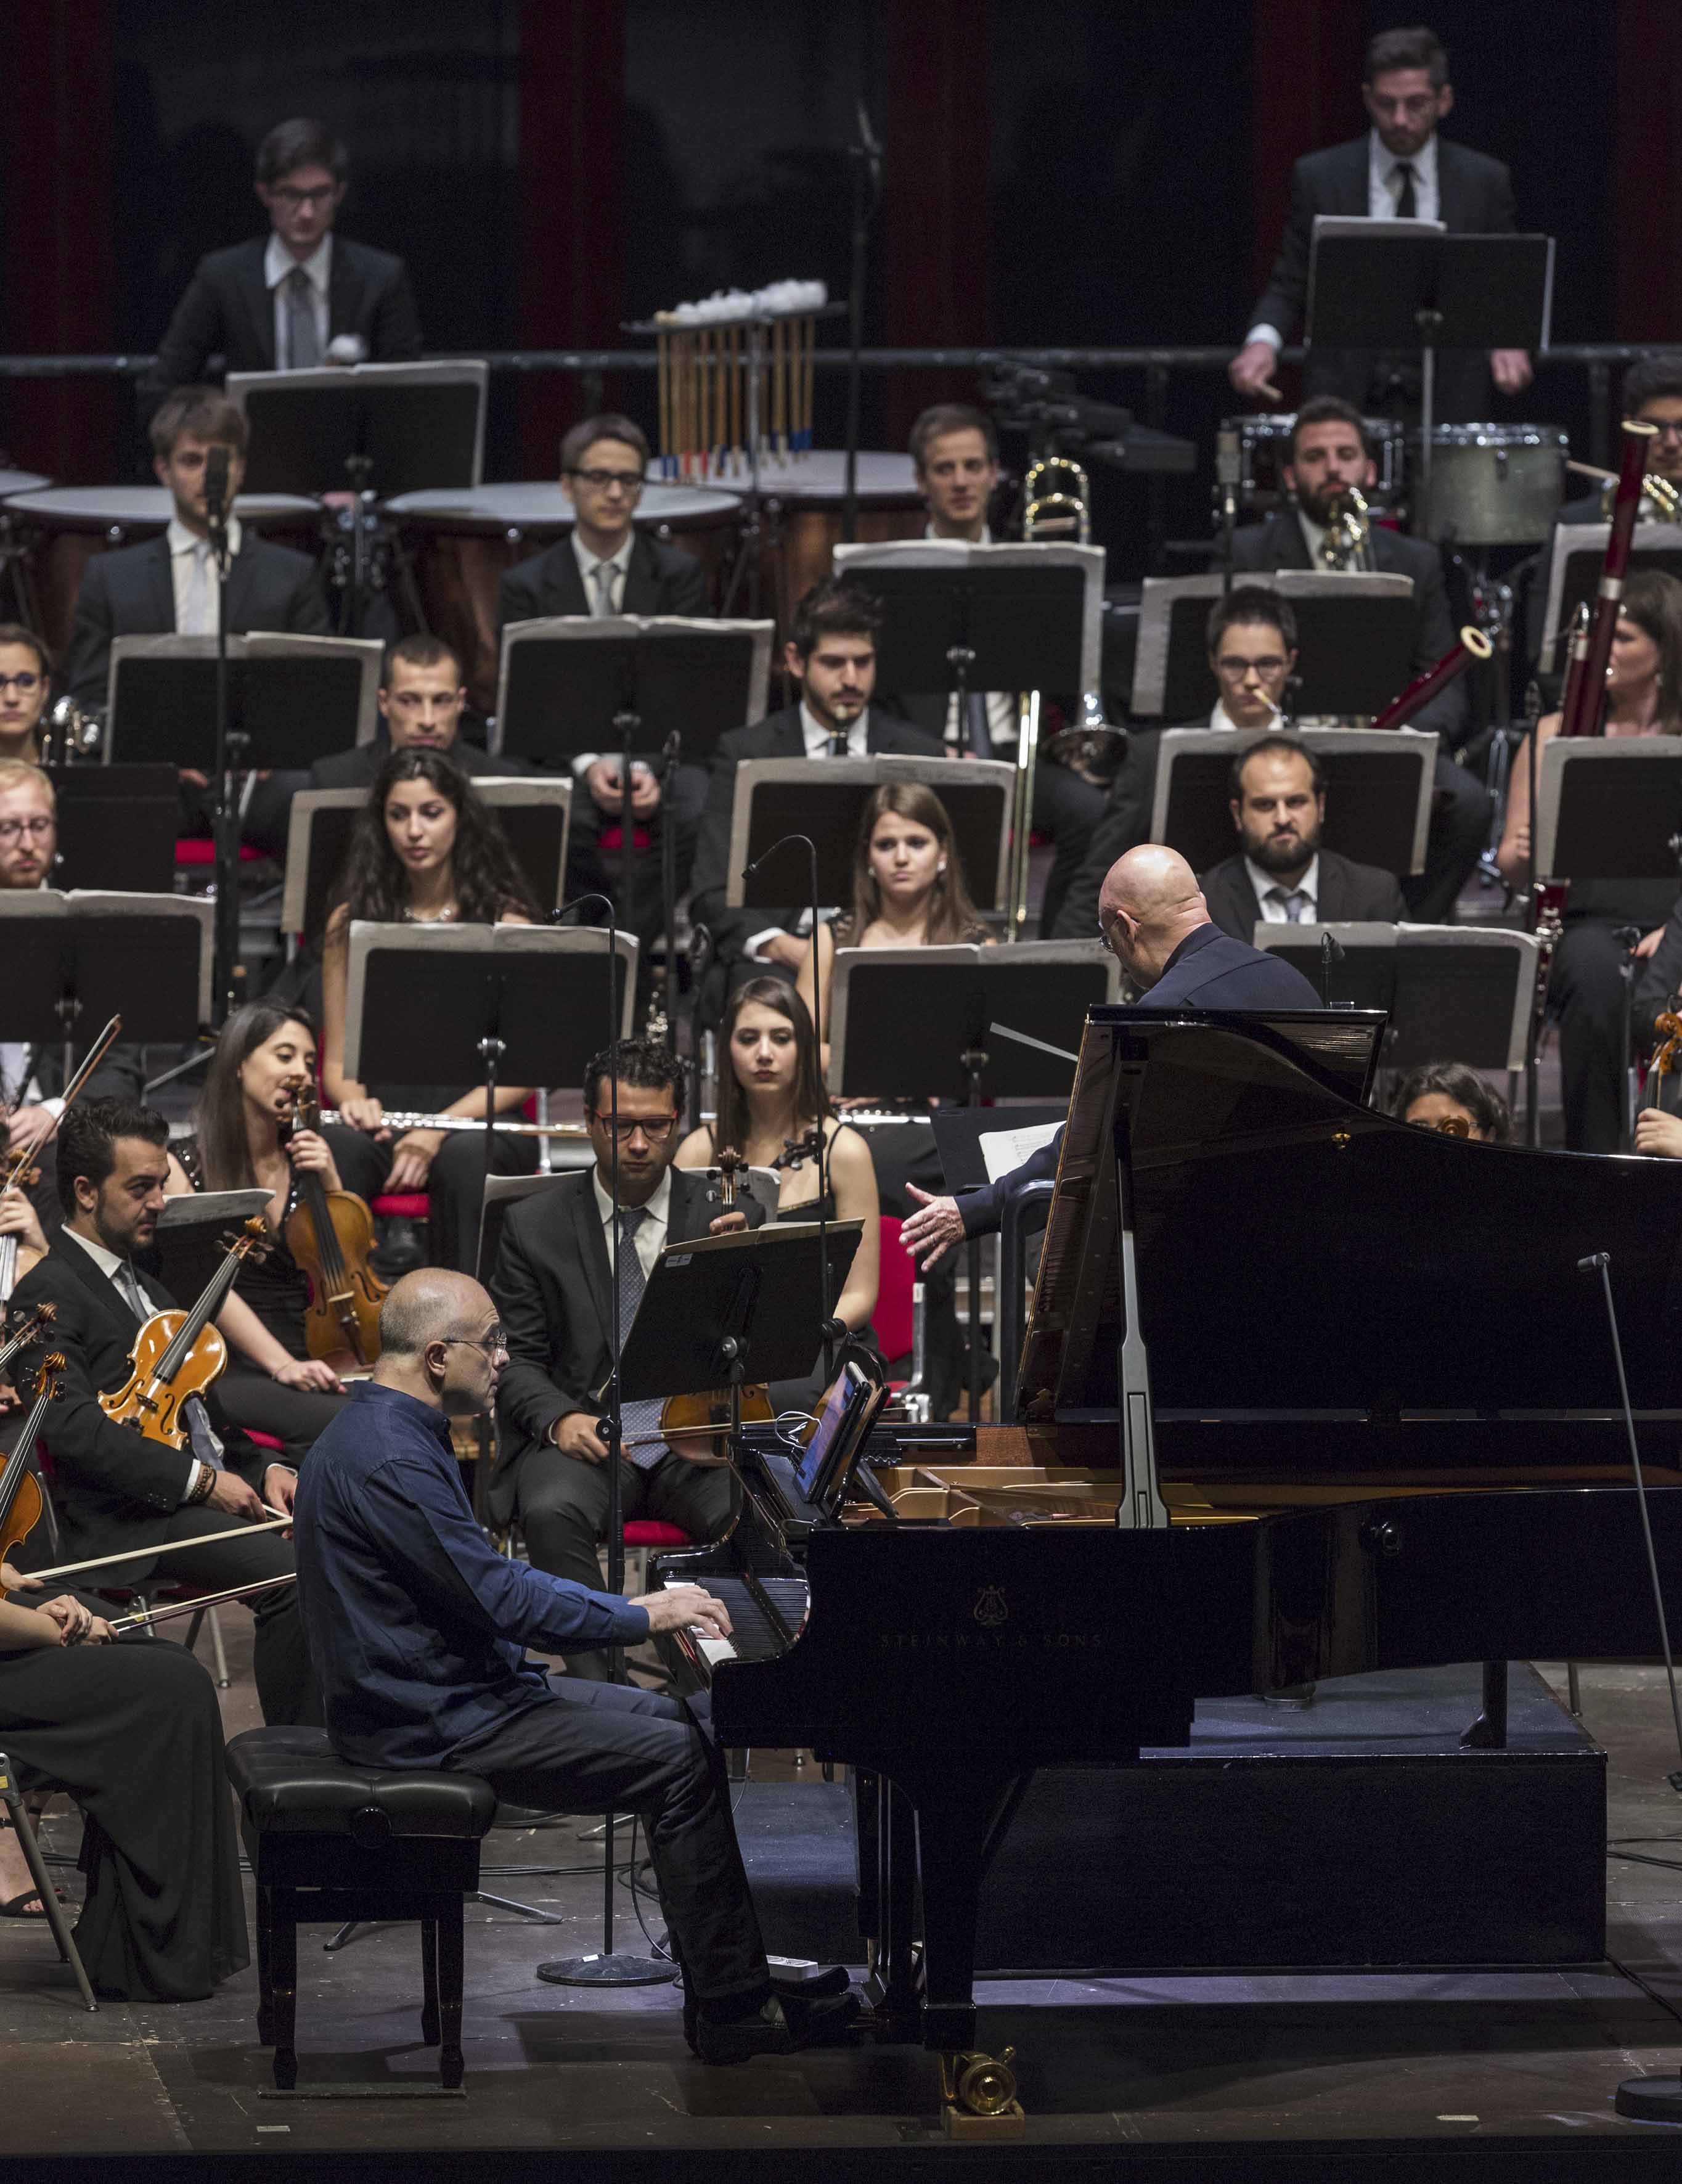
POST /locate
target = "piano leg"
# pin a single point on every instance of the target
(893, 1981)
(960, 1817)
(1489, 1732)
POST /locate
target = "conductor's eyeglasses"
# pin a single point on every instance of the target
(629, 482)
(40, 826)
(656, 1129)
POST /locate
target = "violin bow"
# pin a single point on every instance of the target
(18, 1157)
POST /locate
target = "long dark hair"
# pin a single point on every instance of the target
(372, 883)
(1653, 602)
(1454, 1081)
(224, 1150)
(951, 914)
(812, 1101)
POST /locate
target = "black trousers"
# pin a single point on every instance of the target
(1461, 809)
(285, 1686)
(590, 868)
(562, 1507)
(455, 1183)
(297, 1416)
(1586, 993)
(1067, 808)
(593, 1748)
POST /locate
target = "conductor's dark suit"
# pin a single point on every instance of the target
(1347, 890)
(777, 736)
(1208, 970)
(114, 1490)
(552, 1286)
(1461, 809)
(1475, 198)
(228, 309)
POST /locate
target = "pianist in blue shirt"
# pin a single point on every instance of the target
(418, 1633)
(1155, 921)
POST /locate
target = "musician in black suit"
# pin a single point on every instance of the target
(554, 1287)
(1401, 170)
(1157, 925)
(113, 1488)
(278, 301)
(170, 583)
(832, 654)
(1280, 875)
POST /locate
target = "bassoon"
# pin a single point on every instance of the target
(1586, 714)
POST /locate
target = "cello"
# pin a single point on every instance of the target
(331, 1234)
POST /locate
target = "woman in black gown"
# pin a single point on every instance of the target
(132, 1731)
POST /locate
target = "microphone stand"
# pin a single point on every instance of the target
(226, 842)
(865, 158)
(605, 1967)
(828, 1326)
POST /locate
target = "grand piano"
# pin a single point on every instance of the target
(1305, 1392)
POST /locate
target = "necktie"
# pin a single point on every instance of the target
(199, 620)
(129, 1289)
(602, 578)
(304, 346)
(1295, 903)
(978, 736)
(644, 1418)
(1406, 204)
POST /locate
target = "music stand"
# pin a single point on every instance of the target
(1576, 553)
(1379, 784)
(117, 825)
(778, 796)
(1608, 808)
(535, 814)
(919, 1022)
(1408, 284)
(290, 699)
(1355, 641)
(187, 1232)
(379, 428)
(80, 959)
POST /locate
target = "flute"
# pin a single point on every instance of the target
(401, 1119)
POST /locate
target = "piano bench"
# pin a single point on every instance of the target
(333, 1843)
(643, 1533)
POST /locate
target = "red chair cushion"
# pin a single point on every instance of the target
(613, 837)
(401, 1205)
(195, 850)
(650, 1532)
(262, 1440)
(892, 1319)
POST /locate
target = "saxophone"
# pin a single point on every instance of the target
(1344, 547)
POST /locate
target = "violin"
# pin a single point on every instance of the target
(20, 1171)
(21, 1499)
(698, 1428)
(178, 1355)
(331, 1236)
(1663, 1061)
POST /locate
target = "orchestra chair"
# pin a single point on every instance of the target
(333, 1843)
(11, 1800)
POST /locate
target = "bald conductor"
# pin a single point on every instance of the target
(1156, 924)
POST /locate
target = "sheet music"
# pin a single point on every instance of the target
(1005, 1149)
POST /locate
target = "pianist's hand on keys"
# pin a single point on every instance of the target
(684, 1607)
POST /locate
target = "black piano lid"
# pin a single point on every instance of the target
(1298, 1252)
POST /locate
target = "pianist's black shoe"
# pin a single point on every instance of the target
(780, 2026)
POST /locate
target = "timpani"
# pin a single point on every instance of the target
(804, 500)
(64, 526)
(461, 542)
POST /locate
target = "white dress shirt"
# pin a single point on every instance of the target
(1003, 714)
(194, 577)
(1221, 718)
(278, 266)
(588, 563)
(1384, 194)
(818, 745)
(1273, 912)
(649, 1236)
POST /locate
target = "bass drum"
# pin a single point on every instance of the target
(1491, 485)
(60, 530)
(801, 526)
(460, 544)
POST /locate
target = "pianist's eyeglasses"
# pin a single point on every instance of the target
(490, 1344)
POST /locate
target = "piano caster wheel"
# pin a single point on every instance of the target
(978, 2094)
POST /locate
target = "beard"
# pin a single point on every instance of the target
(1283, 853)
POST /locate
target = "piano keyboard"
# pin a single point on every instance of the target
(753, 1636)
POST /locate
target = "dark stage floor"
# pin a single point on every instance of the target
(1289, 2076)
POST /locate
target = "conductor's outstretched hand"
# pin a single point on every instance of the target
(934, 1228)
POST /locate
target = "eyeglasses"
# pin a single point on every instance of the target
(1236, 670)
(294, 200)
(1668, 428)
(629, 482)
(40, 827)
(653, 1128)
(490, 1344)
(25, 682)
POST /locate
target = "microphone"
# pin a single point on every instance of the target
(216, 487)
(1594, 1262)
(1331, 951)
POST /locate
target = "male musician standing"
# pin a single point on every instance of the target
(832, 655)
(1401, 170)
(111, 1487)
(553, 1285)
(278, 303)
(1157, 925)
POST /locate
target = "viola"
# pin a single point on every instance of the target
(178, 1355)
(331, 1236)
(21, 1499)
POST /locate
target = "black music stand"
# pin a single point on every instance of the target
(290, 699)
(73, 962)
(1379, 784)
(961, 618)
(384, 428)
(1355, 642)
(663, 686)
(919, 1024)
(1380, 284)
(777, 796)
(1576, 553)
(117, 827)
